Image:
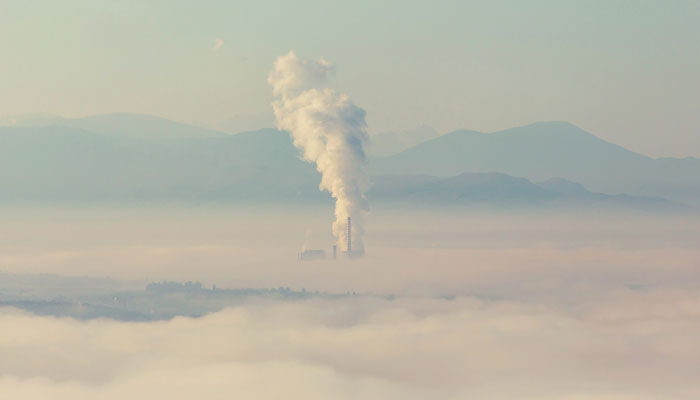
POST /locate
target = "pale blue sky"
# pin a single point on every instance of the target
(625, 70)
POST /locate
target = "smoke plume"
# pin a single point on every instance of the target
(330, 132)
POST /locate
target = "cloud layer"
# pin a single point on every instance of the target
(540, 309)
(368, 348)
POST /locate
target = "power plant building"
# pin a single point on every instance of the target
(317, 254)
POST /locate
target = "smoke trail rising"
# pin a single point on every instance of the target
(330, 131)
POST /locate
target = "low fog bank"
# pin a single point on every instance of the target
(432, 254)
(560, 260)
(639, 346)
(561, 279)
(444, 305)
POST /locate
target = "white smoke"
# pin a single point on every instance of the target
(330, 131)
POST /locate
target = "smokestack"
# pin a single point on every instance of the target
(330, 131)
(349, 236)
(335, 251)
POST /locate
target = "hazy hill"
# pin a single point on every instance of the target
(65, 164)
(390, 143)
(460, 189)
(140, 126)
(496, 189)
(546, 150)
(60, 163)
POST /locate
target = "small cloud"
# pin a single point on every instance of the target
(218, 42)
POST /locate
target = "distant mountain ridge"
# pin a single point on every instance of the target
(390, 143)
(547, 150)
(496, 189)
(176, 162)
(63, 164)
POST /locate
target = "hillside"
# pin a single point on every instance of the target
(494, 190)
(62, 164)
(547, 150)
(66, 164)
(390, 143)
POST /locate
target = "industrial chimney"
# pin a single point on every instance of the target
(349, 237)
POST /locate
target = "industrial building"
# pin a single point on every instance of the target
(317, 254)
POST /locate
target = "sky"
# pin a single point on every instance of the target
(623, 70)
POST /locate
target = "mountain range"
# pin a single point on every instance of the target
(545, 150)
(131, 157)
(384, 144)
